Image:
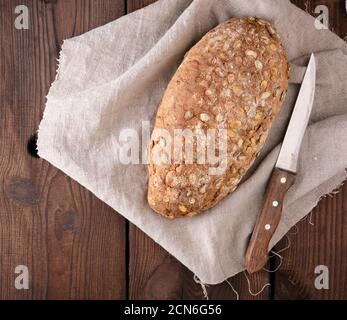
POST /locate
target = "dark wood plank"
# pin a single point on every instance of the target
(337, 13)
(133, 5)
(324, 243)
(155, 274)
(72, 243)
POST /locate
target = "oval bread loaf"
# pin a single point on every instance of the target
(234, 79)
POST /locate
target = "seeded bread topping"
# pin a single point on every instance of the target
(233, 79)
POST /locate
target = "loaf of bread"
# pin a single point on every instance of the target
(234, 81)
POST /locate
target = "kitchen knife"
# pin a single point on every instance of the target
(283, 175)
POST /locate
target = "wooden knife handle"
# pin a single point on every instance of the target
(268, 219)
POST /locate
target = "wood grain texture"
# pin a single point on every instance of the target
(155, 274)
(133, 5)
(321, 242)
(72, 243)
(337, 13)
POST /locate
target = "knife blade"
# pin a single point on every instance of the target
(288, 157)
(283, 175)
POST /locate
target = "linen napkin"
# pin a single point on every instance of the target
(111, 80)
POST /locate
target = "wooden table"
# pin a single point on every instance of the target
(74, 245)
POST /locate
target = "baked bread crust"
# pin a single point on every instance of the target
(234, 78)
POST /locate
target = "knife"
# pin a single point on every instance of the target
(283, 175)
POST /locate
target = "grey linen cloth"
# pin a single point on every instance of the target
(113, 78)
